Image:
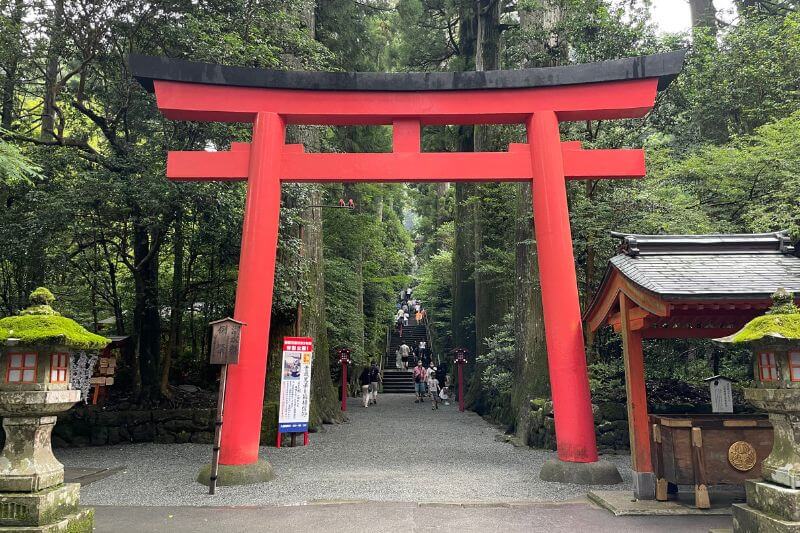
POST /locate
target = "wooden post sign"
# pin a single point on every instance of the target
(225, 335)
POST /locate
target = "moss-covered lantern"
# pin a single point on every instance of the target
(36, 349)
(773, 504)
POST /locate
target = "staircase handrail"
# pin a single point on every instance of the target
(388, 346)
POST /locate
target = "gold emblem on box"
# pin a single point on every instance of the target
(742, 456)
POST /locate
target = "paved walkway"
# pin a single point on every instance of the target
(379, 517)
(394, 451)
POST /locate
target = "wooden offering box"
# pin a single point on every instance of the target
(703, 450)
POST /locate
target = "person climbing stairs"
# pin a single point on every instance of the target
(400, 380)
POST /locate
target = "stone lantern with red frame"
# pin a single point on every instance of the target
(36, 349)
(773, 503)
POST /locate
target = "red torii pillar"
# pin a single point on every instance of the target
(544, 160)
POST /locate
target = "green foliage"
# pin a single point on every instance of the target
(607, 381)
(498, 363)
(15, 168)
(732, 86)
(435, 291)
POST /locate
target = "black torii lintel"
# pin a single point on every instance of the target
(665, 67)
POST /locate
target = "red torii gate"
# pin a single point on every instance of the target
(539, 98)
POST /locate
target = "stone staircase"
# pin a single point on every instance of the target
(401, 381)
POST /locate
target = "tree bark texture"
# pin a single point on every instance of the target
(531, 378)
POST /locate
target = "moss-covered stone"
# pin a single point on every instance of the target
(781, 326)
(781, 321)
(41, 301)
(37, 329)
(228, 475)
(39, 324)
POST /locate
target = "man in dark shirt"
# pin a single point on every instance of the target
(364, 380)
(374, 382)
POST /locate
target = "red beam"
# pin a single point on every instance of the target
(687, 333)
(607, 100)
(409, 165)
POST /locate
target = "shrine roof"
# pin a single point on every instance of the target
(709, 266)
(147, 69)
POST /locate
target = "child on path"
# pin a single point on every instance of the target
(433, 386)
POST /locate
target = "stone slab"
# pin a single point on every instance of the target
(775, 500)
(749, 520)
(622, 503)
(81, 521)
(644, 485)
(598, 473)
(87, 476)
(38, 508)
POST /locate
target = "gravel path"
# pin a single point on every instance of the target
(394, 451)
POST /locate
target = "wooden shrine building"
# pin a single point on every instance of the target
(683, 286)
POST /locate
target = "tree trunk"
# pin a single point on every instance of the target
(324, 400)
(463, 311)
(490, 307)
(10, 83)
(704, 15)
(177, 301)
(51, 70)
(147, 321)
(531, 379)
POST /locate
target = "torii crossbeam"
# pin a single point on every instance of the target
(538, 98)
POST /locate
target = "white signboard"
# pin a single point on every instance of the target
(721, 396)
(295, 384)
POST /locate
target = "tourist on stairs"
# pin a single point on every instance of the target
(374, 381)
(398, 359)
(404, 353)
(420, 375)
(433, 386)
(424, 354)
(364, 379)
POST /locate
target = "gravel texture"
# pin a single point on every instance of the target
(393, 451)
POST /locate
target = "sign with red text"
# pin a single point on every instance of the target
(295, 384)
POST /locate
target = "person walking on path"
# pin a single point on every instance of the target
(441, 373)
(424, 354)
(404, 352)
(398, 319)
(412, 361)
(398, 359)
(374, 382)
(364, 380)
(420, 376)
(433, 386)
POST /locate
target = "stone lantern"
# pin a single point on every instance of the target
(36, 348)
(773, 503)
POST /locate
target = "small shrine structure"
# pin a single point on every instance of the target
(683, 286)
